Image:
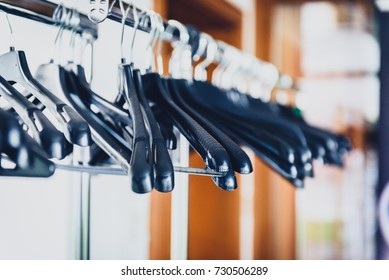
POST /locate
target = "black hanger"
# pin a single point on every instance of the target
(239, 159)
(212, 153)
(164, 121)
(142, 157)
(266, 150)
(27, 155)
(108, 139)
(329, 146)
(265, 132)
(75, 129)
(51, 140)
(166, 126)
(276, 152)
(164, 172)
(114, 143)
(12, 141)
(236, 104)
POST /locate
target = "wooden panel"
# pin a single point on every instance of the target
(263, 248)
(213, 219)
(160, 221)
(205, 14)
(262, 218)
(264, 16)
(274, 226)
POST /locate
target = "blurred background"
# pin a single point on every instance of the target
(333, 50)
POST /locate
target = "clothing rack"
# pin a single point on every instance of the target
(44, 11)
(50, 13)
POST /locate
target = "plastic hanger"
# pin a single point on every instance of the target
(335, 145)
(239, 159)
(212, 153)
(141, 164)
(12, 142)
(65, 83)
(29, 159)
(264, 145)
(286, 159)
(104, 136)
(51, 140)
(74, 128)
(163, 167)
(236, 103)
(164, 172)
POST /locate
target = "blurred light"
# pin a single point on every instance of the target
(383, 5)
(282, 97)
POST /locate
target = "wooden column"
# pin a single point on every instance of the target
(274, 225)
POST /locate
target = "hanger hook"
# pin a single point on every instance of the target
(176, 25)
(201, 49)
(180, 64)
(156, 35)
(62, 15)
(124, 13)
(227, 76)
(89, 40)
(161, 30)
(74, 23)
(143, 20)
(111, 6)
(223, 61)
(11, 32)
(210, 56)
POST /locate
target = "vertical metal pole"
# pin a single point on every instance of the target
(85, 216)
(82, 155)
(180, 207)
(383, 152)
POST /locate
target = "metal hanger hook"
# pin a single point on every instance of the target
(224, 59)
(176, 25)
(154, 41)
(180, 63)
(211, 49)
(233, 66)
(124, 13)
(89, 41)
(159, 38)
(111, 6)
(201, 49)
(74, 23)
(62, 15)
(143, 20)
(11, 32)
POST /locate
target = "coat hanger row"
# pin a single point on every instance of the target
(137, 131)
(66, 18)
(290, 152)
